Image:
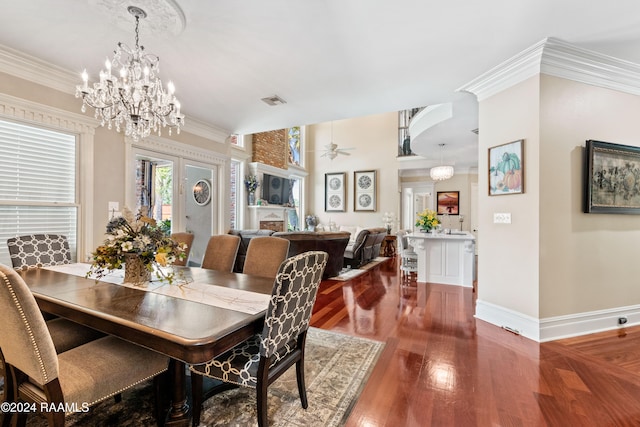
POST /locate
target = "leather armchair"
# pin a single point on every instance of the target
(365, 247)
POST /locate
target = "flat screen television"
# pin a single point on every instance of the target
(275, 189)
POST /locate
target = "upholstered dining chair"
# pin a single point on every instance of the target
(186, 238)
(264, 256)
(76, 378)
(38, 250)
(221, 252)
(65, 335)
(262, 358)
(44, 250)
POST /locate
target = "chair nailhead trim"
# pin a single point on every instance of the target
(16, 301)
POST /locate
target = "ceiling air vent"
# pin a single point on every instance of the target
(274, 100)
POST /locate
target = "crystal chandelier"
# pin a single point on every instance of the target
(135, 100)
(442, 172)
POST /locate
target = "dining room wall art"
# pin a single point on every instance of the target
(334, 192)
(364, 191)
(506, 168)
(611, 178)
(448, 202)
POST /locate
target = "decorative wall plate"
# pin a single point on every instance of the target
(364, 191)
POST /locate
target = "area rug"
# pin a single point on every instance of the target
(336, 368)
(349, 273)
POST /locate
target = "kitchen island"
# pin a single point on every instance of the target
(445, 258)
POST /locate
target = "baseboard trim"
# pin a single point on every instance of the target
(510, 320)
(554, 328)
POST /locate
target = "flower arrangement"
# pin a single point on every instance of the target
(388, 219)
(427, 220)
(251, 182)
(136, 236)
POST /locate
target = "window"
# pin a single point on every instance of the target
(37, 183)
(293, 135)
(236, 180)
(236, 140)
(295, 201)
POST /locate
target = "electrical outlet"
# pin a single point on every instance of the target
(502, 218)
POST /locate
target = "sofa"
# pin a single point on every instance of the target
(245, 238)
(333, 243)
(364, 247)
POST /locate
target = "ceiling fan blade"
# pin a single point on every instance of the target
(343, 152)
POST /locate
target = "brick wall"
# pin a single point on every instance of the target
(271, 148)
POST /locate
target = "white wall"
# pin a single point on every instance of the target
(588, 262)
(555, 267)
(508, 265)
(375, 142)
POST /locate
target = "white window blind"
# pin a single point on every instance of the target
(37, 184)
(233, 193)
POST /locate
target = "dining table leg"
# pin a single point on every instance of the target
(179, 412)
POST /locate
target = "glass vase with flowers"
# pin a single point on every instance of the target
(251, 183)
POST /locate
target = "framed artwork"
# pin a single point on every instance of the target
(611, 178)
(334, 192)
(448, 202)
(506, 168)
(364, 191)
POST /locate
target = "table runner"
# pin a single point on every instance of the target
(205, 293)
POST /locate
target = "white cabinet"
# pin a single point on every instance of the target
(445, 258)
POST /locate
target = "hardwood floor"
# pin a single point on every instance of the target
(442, 367)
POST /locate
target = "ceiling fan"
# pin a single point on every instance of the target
(331, 150)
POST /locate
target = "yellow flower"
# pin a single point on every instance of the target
(161, 258)
(427, 219)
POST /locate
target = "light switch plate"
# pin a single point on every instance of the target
(502, 218)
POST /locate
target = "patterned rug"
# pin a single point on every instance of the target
(336, 369)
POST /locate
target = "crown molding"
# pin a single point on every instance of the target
(35, 70)
(22, 109)
(179, 149)
(558, 58)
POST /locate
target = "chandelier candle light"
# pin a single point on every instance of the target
(136, 101)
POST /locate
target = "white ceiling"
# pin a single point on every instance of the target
(329, 60)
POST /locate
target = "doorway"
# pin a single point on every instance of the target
(201, 196)
(416, 197)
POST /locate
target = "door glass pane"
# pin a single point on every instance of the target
(154, 189)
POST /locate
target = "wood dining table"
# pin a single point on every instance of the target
(187, 330)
